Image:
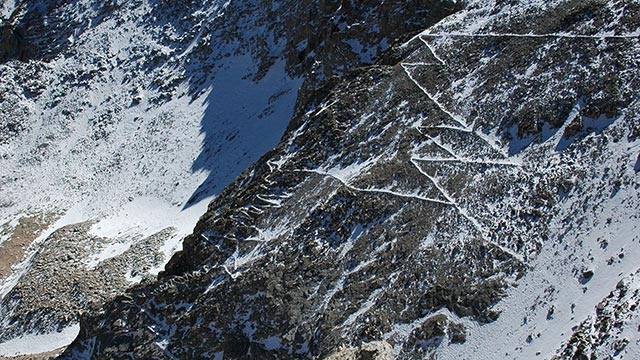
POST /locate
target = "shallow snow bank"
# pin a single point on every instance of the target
(39, 343)
(142, 218)
(146, 216)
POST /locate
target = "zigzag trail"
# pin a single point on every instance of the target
(273, 201)
(433, 51)
(468, 161)
(476, 224)
(439, 144)
(380, 191)
(464, 127)
(514, 35)
(270, 201)
(458, 119)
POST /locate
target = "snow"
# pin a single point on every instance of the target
(8, 6)
(143, 217)
(158, 165)
(551, 281)
(529, 35)
(367, 55)
(552, 286)
(111, 251)
(458, 119)
(125, 152)
(39, 343)
(433, 52)
(271, 343)
(368, 304)
(244, 118)
(377, 190)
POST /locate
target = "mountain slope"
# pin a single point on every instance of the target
(121, 121)
(473, 193)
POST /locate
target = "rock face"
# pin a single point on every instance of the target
(458, 180)
(65, 279)
(377, 350)
(414, 199)
(9, 48)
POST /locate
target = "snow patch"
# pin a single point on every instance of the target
(39, 343)
(142, 218)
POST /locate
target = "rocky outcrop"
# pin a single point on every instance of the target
(67, 277)
(377, 350)
(9, 44)
(18, 239)
(95, 65)
(610, 328)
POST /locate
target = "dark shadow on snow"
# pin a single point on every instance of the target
(244, 119)
(589, 126)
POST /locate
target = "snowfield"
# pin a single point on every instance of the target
(119, 134)
(104, 152)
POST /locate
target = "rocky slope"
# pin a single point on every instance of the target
(472, 193)
(458, 179)
(121, 120)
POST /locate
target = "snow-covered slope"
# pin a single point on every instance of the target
(111, 130)
(455, 179)
(121, 120)
(107, 128)
(474, 194)
(7, 8)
